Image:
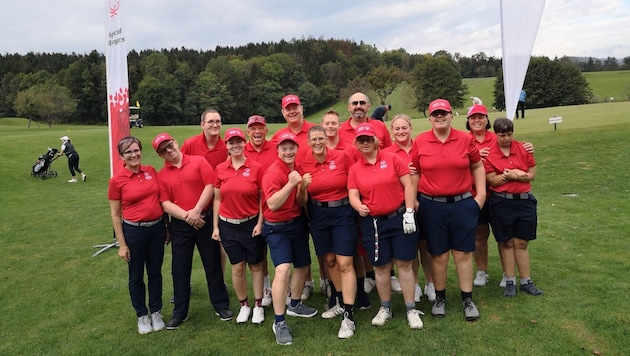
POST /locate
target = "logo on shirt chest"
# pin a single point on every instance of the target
(247, 172)
(332, 166)
(383, 165)
(148, 176)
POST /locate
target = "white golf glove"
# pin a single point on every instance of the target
(409, 222)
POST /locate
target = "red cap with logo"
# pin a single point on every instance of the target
(256, 119)
(364, 130)
(234, 132)
(161, 138)
(287, 136)
(290, 99)
(439, 104)
(477, 109)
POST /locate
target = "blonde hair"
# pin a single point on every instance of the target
(402, 117)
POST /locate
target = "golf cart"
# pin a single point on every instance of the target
(134, 117)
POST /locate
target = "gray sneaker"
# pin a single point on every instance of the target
(439, 307)
(530, 288)
(283, 333)
(301, 310)
(471, 313)
(510, 289)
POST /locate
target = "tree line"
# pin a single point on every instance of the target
(174, 86)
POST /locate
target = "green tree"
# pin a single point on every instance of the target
(212, 94)
(159, 98)
(437, 77)
(384, 80)
(48, 102)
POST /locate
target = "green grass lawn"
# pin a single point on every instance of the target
(58, 300)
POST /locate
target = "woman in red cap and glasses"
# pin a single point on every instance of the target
(380, 188)
(238, 221)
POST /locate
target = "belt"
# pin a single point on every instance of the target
(279, 223)
(451, 199)
(520, 196)
(142, 223)
(331, 204)
(237, 221)
(391, 215)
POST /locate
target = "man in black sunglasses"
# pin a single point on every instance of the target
(358, 106)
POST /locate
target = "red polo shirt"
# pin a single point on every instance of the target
(347, 134)
(379, 184)
(138, 193)
(302, 136)
(489, 139)
(330, 178)
(183, 186)
(267, 155)
(349, 148)
(240, 188)
(400, 152)
(444, 168)
(198, 146)
(276, 177)
(518, 158)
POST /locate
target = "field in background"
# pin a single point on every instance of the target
(56, 299)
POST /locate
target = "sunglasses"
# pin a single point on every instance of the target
(357, 103)
(166, 148)
(437, 113)
(365, 139)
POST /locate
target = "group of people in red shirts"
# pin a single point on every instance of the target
(361, 196)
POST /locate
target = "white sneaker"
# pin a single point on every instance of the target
(144, 325)
(158, 321)
(414, 320)
(347, 328)
(503, 281)
(417, 293)
(243, 314)
(481, 279)
(333, 312)
(369, 284)
(382, 316)
(266, 299)
(429, 291)
(73, 180)
(258, 316)
(307, 291)
(396, 284)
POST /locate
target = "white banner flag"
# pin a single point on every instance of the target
(117, 81)
(519, 25)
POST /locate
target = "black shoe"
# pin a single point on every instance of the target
(175, 322)
(225, 314)
(363, 301)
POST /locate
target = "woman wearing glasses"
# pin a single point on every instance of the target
(381, 190)
(140, 230)
(333, 224)
(449, 166)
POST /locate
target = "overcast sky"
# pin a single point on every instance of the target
(589, 28)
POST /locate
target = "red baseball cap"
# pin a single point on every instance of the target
(290, 99)
(161, 138)
(364, 130)
(477, 109)
(439, 104)
(256, 119)
(234, 132)
(287, 136)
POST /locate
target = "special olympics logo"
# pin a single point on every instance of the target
(114, 6)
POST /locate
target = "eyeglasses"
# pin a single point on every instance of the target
(357, 103)
(437, 113)
(318, 139)
(166, 148)
(131, 153)
(213, 123)
(365, 139)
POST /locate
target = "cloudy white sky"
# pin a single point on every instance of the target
(591, 28)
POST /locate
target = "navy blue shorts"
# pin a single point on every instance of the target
(239, 244)
(449, 226)
(392, 242)
(288, 243)
(513, 218)
(484, 215)
(333, 229)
